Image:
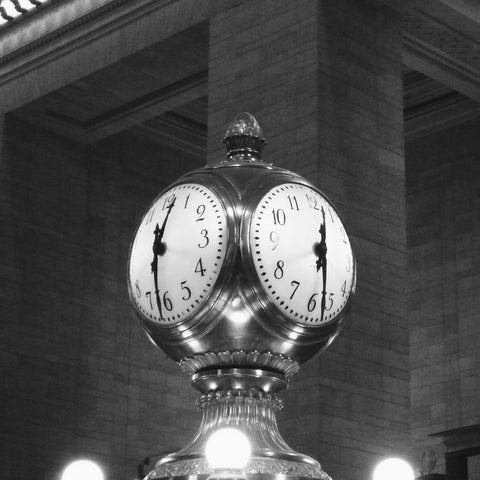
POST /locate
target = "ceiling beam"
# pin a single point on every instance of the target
(442, 51)
(136, 111)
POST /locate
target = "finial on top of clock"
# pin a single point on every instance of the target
(244, 138)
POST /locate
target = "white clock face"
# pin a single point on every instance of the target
(177, 253)
(302, 254)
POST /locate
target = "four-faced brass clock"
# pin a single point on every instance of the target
(241, 263)
(241, 271)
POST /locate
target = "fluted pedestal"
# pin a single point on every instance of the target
(247, 400)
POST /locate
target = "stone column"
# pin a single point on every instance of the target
(324, 81)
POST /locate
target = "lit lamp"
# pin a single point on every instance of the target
(241, 271)
(393, 469)
(82, 470)
(228, 452)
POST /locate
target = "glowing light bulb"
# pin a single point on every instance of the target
(228, 449)
(82, 470)
(393, 469)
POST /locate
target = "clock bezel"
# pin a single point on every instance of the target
(215, 300)
(285, 324)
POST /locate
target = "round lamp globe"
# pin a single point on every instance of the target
(228, 449)
(82, 470)
(393, 469)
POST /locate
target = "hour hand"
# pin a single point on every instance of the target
(158, 246)
(320, 248)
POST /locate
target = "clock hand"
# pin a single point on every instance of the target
(320, 250)
(154, 266)
(159, 249)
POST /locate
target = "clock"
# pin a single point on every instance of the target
(177, 254)
(241, 263)
(302, 254)
(241, 271)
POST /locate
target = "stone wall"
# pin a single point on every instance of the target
(443, 199)
(79, 377)
(324, 81)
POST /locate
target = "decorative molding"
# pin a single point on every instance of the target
(453, 44)
(178, 132)
(430, 106)
(240, 358)
(13, 10)
(439, 115)
(44, 26)
(462, 438)
(137, 110)
(258, 467)
(75, 40)
(439, 51)
(246, 397)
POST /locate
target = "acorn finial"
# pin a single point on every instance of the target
(244, 138)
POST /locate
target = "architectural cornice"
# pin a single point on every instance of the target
(54, 20)
(68, 40)
(60, 45)
(441, 52)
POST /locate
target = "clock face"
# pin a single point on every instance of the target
(302, 254)
(177, 253)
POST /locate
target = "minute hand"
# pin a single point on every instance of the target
(159, 250)
(321, 251)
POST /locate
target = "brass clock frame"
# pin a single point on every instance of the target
(238, 291)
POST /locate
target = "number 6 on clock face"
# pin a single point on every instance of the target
(177, 253)
(302, 254)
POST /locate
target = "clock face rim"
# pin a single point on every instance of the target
(264, 300)
(213, 297)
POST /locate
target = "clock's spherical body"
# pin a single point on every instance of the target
(241, 263)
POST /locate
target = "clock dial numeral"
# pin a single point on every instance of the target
(313, 281)
(176, 282)
(279, 217)
(295, 286)
(200, 211)
(331, 216)
(278, 272)
(274, 238)
(187, 293)
(167, 303)
(330, 299)
(199, 268)
(293, 202)
(168, 201)
(312, 201)
(149, 216)
(205, 238)
(149, 296)
(312, 303)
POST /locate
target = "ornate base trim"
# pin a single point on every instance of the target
(252, 411)
(240, 359)
(257, 465)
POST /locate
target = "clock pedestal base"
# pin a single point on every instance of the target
(245, 399)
